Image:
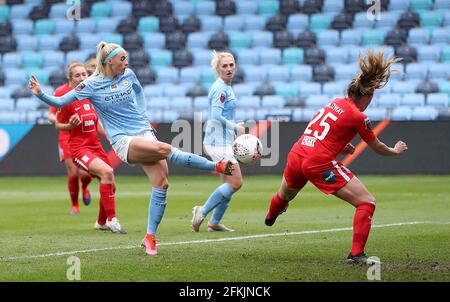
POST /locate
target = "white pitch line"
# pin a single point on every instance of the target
(217, 240)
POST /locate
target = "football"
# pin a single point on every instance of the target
(247, 149)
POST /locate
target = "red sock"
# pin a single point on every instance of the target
(361, 227)
(72, 183)
(277, 205)
(85, 181)
(107, 199)
(101, 215)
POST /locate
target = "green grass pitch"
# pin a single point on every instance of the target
(411, 233)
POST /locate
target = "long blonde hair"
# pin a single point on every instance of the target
(217, 57)
(103, 50)
(374, 73)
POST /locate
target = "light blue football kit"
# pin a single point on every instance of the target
(220, 131)
(121, 106)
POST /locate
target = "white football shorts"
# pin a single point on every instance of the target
(216, 153)
(122, 145)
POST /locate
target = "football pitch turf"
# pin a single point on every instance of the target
(410, 233)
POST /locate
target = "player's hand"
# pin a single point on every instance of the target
(34, 85)
(74, 121)
(240, 129)
(400, 147)
(348, 149)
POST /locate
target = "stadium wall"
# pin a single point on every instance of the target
(35, 152)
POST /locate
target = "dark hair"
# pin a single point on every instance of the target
(374, 73)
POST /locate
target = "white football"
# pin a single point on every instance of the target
(247, 149)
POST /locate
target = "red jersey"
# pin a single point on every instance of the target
(331, 129)
(63, 136)
(85, 135)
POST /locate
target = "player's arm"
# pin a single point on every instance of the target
(381, 148)
(74, 121)
(35, 88)
(51, 116)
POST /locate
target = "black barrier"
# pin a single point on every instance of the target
(428, 153)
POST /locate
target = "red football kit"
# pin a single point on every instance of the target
(63, 136)
(313, 156)
(83, 140)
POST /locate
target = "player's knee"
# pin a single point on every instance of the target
(236, 185)
(107, 174)
(162, 183)
(164, 149)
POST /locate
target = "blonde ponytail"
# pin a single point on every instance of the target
(103, 50)
(374, 74)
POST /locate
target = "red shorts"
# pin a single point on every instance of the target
(328, 176)
(64, 150)
(83, 157)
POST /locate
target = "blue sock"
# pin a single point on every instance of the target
(190, 160)
(219, 211)
(156, 209)
(221, 194)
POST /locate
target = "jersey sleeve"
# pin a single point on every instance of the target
(218, 98)
(84, 90)
(365, 128)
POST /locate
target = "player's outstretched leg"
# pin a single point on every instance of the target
(277, 207)
(191, 160)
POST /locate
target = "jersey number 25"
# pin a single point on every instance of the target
(323, 123)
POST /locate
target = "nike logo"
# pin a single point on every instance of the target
(76, 109)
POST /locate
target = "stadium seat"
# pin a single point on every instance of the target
(207, 76)
(286, 90)
(314, 56)
(342, 21)
(211, 23)
(170, 116)
(26, 42)
(388, 19)
(44, 27)
(439, 71)
(254, 22)
(189, 74)
(272, 101)
(77, 55)
(255, 74)
(413, 99)
(27, 104)
(19, 11)
(429, 54)
(418, 5)
(4, 13)
(158, 103)
(440, 36)
(445, 56)
(220, 40)
(22, 27)
(205, 8)
(376, 114)
(32, 60)
(181, 103)
(388, 100)
(268, 8)
(152, 91)
(424, 113)
(167, 75)
(345, 72)
(327, 38)
(49, 42)
(306, 39)
(312, 6)
(243, 89)
(240, 40)
(396, 37)
(233, 23)
(418, 36)
(246, 102)
(431, 19)
(336, 55)
(262, 39)
(361, 21)
(264, 89)
(323, 73)
(427, 87)
(196, 90)
(100, 10)
(399, 5)
(316, 101)
(401, 114)
(306, 89)
(63, 26)
(270, 56)
(416, 71)
(58, 10)
(292, 56)
(404, 87)
(334, 88)
(85, 25)
(408, 20)
(297, 23)
(6, 105)
(320, 21)
(202, 102)
(160, 58)
(301, 73)
(438, 100)
(444, 87)
(351, 37)
(121, 9)
(408, 54)
(333, 6)
(372, 37)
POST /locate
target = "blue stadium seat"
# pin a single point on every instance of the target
(293, 56)
(167, 75)
(160, 58)
(351, 37)
(401, 114)
(12, 60)
(336, 55)
(439, 71)
(239, 40)
(431, 53)
(249, 102)
(388, 100)
(297, 23)
(286, 90)
(345, 71)
(334, 88)
(388, 19)
(183, 8)
(121, 9)
(32, 59)
(376, 114)
(254, 22)
(247, 56)
(247, 7)
(438, 100)
(306, 89)
(319, 22)
(27, 104)
(211, 23)
(329, 37)
(107, 25)
(90, 41)
(154, 40)
(22, 27)
(6, 91)
(202, 57)
(58, 10)
(170, 116)
(20, 11)
(63, 26)
(268, 8)
(440, 36)
(205, 8)
(245, 115)
(297, 115)
(15, 76)
(418, 36)
(78, 55)
(100, 10)
(26, 42)
(399, 5)
(255, 74)
(233, 22)
(4, 13)
(361, 21)
(243, 90)
(424, 113)
(49, 42)
(11, 117)
(315, 101)
(419, 5)
(86, 25)
(207, 76)
(152, 91)
(441, 4)
(181, 103)
(272, 101)
(444, 87)
(301, 73)
(333, 6)
(416, 71)
(403, 87)
(431, 19)
(413, 99)
(112, 38)
(262, 39)
(44, 27)
(270, 56)
(155, 115)
(6, 105)
(190, 74)
(445, 55)
(372, 37)
(158, 103)
(197, 40)
(53, 58)
(202, 102)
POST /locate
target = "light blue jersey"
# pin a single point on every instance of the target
(221, 126)
(119, 103)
